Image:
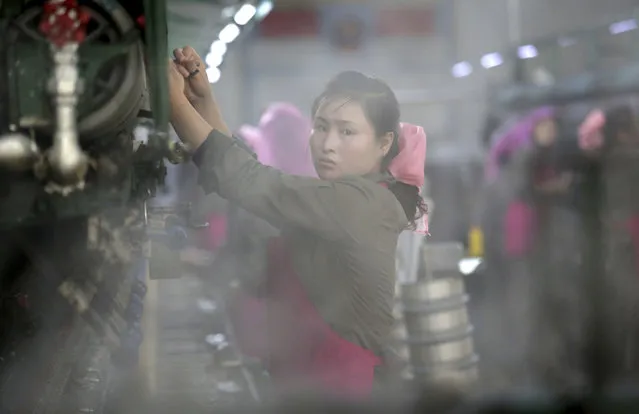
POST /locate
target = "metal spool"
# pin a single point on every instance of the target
(439, 333)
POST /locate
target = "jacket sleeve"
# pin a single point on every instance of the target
(336, 210)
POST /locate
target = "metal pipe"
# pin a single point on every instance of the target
(157, 63)
(67, 162)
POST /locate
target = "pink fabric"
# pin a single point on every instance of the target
(282, 140)
(303, 349)
(519, 229)
(312, 350)
(408, 165)
(591, 131)
(216, 232)
(516, 137)
(633, 228)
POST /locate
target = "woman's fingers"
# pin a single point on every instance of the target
(188, 57)
(179, 54)
(172, 67)
(176, 80)
(189, 53)
(183, 71)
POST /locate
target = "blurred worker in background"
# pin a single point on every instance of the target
(331, 276)
(281, 140)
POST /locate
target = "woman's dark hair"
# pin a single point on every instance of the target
(382, 110)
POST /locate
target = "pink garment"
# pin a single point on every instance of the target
(282, 140)
(216, 233)
(300, 347)
(519, 227)
(516, 137)
(591, 131)
(408, 165)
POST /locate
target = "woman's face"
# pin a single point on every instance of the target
(545, 132)
(343, 141)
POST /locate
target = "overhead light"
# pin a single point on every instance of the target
(462, 69)
(245, 14)
(213, 74)
(263, 9)
(623, 26)
(527, 52)
(218, 48)
(230, 32)
(491, 60)
(213, 60)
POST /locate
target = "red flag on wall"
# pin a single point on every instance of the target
(353, 21)
(406, 21)
(291, 23)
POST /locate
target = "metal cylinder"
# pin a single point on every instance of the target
(438, 330)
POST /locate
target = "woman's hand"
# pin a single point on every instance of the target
(189, 124)
(197, 88)
(176, 86)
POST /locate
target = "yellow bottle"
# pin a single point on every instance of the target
(475, 242)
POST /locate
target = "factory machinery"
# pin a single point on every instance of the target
(77, 78)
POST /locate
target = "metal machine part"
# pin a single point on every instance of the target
(438, 331)
(18, 152)
(63, 23)
(67, 163)
(110, 63)
(74, 83)
(61, 348)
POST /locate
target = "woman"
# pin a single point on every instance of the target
(516, 137)
(332, 274)
(535, 174)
